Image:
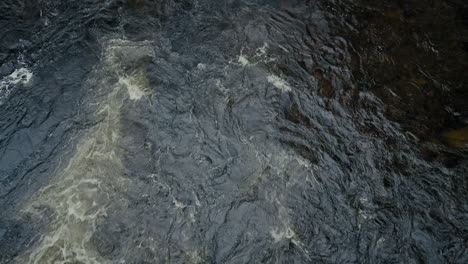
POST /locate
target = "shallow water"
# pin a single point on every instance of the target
(234, 131)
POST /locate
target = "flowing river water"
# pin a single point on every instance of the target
(236, 131)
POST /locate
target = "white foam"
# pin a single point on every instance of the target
(280, 235)
(279, 83)
(262, 51)
(261, 55)
(21, 75)
(243, 61)
(193, 256)
(178, 204)
(135, 86)
(201, 66)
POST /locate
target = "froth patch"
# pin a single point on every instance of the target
(21, 75)
(243, 61)
(259, 56)
(279, 83)
(135, 84)
(280, 235)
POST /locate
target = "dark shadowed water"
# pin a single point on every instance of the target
(236, 131)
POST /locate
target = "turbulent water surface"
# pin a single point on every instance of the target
(234, 131)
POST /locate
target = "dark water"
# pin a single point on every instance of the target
(237, 131)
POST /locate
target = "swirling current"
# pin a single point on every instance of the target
(233, 131)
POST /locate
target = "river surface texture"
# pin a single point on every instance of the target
(233, 131)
